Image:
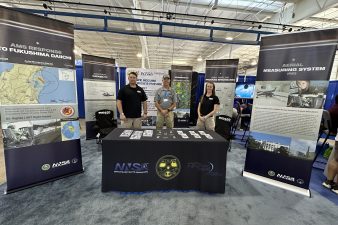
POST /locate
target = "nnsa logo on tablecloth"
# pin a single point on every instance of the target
(121, 167)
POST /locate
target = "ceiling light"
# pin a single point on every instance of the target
(199, 59)
(229, 38)
(139, 55)
(128, 28)
(253, 62)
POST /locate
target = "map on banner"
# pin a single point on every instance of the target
(29, 84)
(70, 130)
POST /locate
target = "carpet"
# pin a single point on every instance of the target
(78, 200)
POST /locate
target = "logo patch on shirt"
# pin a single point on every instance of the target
(138, 92)
(211, 99)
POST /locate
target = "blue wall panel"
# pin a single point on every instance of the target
(80, 96)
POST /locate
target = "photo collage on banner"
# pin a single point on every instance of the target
(223, 73)
(39, 111)
(150, 81)
(292, 80)
(181, 77)
(99, 89)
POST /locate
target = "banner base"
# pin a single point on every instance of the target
(43, 182)
(279, 184)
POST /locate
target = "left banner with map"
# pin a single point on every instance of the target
(39, 113)
(99, 89)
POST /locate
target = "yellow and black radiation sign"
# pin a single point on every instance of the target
(168, 167)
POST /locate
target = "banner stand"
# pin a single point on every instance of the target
(43, 182)
(276, 183)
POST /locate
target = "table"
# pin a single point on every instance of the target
(149, 160)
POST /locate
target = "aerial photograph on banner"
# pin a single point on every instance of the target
(272, 93)
(27, 133)
(183, 91)
(307, 94)
(271, 143)
(29, 84)
(303, 148)
(46, 131)
(70, 130)
(17, 135)
(102, 90)
(225, 94)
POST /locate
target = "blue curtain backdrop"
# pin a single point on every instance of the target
(332, 91)
(80, 95)
(122, 77)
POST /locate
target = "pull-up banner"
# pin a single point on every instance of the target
(150, 81)
(39, 116)
(292, 80)
(99, 89)
(181, 77)
(223, 73)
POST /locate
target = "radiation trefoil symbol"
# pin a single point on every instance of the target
(168, 167)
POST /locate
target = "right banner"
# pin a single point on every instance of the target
(292, 79)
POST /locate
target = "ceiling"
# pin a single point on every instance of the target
(160, 53)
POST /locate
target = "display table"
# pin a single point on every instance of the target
(148, 160)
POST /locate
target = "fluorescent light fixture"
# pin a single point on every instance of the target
(139, 55)
(128, 28)
(199, 59)
(229, 38)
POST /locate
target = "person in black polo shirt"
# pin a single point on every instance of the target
(129, 101)
(207, 108)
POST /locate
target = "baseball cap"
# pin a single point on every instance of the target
(166, 76)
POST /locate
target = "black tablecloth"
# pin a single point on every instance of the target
(167, 160)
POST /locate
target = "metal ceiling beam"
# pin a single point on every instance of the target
(221, 8)
(323, 20)
(156, 13)
(159, 33)
(302, 9)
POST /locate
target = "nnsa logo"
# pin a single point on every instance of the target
(285, 177)
(62, 163)
(131, 168)
(281, 176)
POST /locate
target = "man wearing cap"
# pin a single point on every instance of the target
(129, 101)
(165, 102)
